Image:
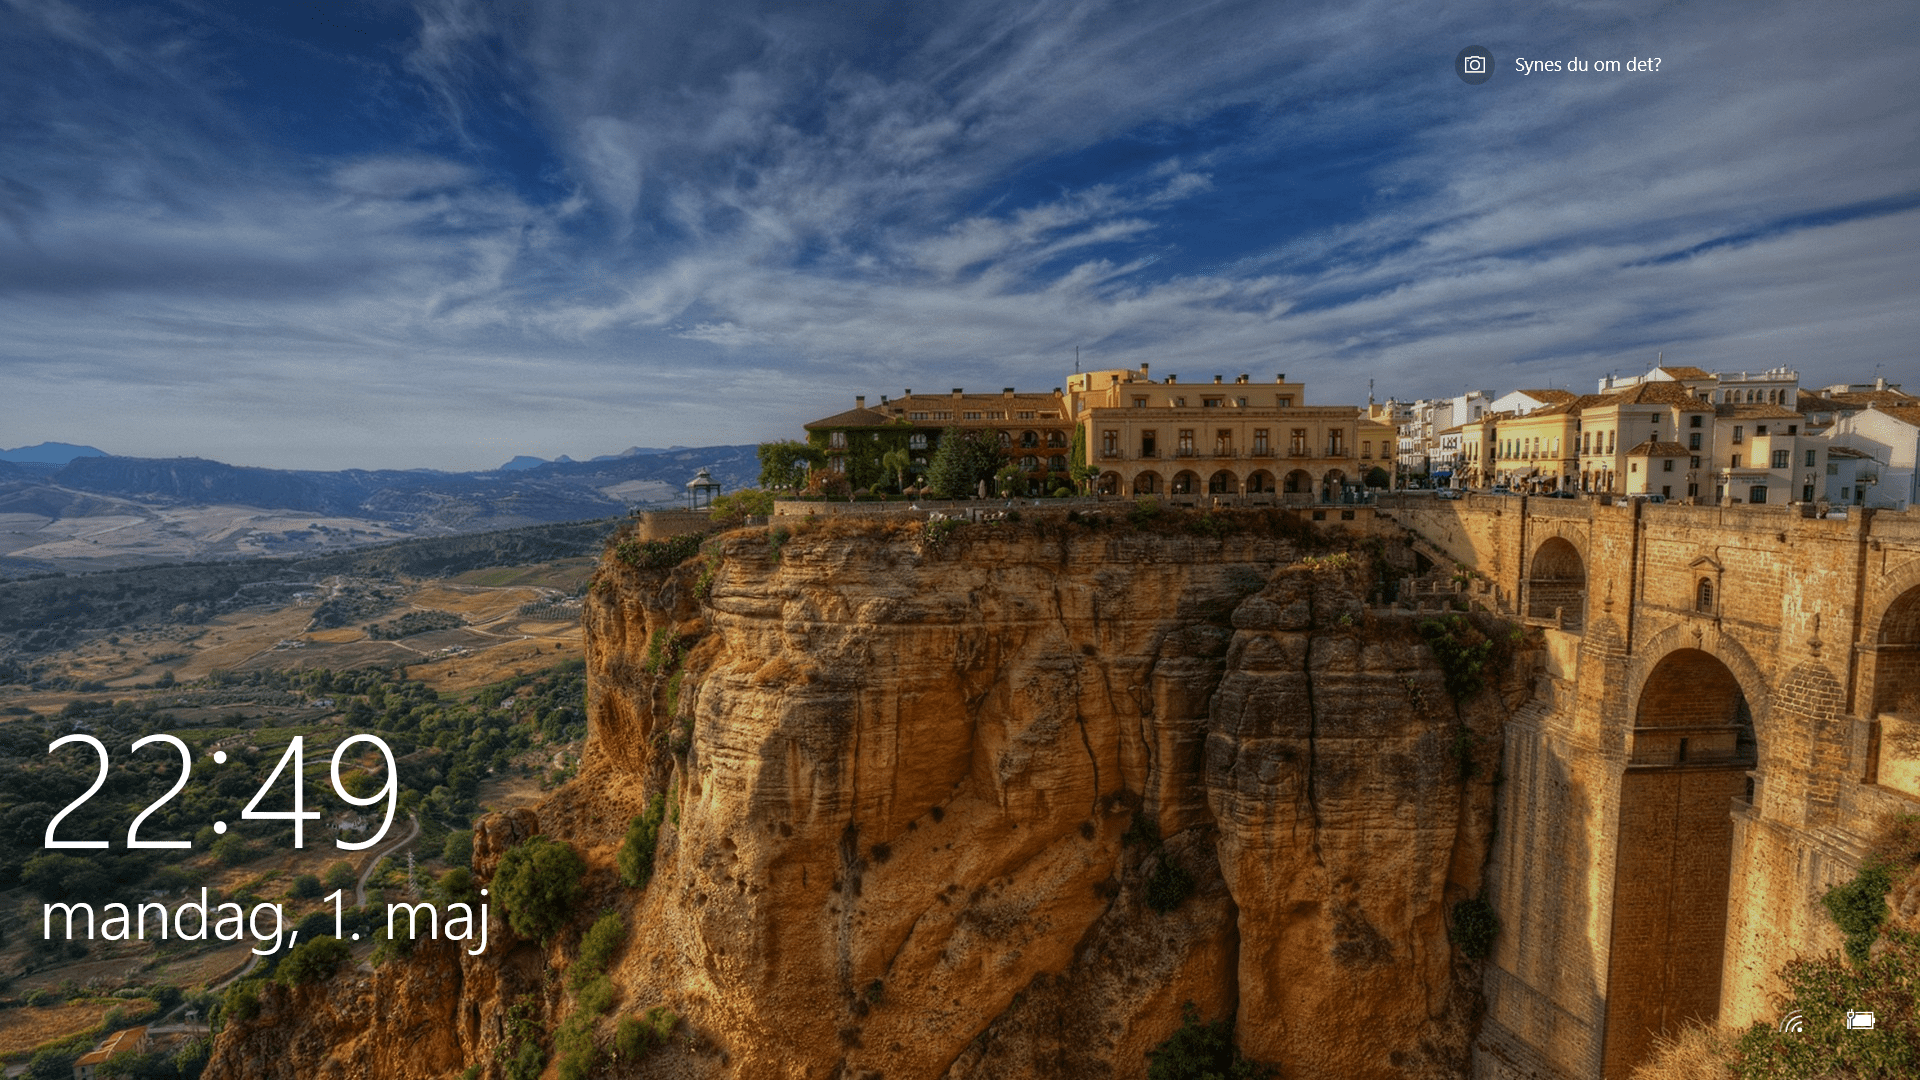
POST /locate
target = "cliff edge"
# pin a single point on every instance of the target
(988, 800)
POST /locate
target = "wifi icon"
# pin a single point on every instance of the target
(1794, 1022)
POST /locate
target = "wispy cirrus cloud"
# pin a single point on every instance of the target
(366, 238)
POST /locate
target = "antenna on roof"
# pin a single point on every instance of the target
(1076, 359)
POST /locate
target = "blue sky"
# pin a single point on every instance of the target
(439, 234)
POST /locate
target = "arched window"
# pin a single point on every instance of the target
(1703, 596)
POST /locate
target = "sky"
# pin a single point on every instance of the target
(440, 234)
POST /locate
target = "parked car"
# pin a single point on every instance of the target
(1560, 495)
(1642, 496)
(1446, 493)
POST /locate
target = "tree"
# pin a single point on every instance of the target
(312, 960)
(964, 459)
(784, 465)
(458, 850)
(897, 461)
(736, 507)
(340, 873)
(539, 883)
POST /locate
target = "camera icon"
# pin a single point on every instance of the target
(1859, 1021)
(1474, 65)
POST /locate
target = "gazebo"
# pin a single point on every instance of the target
(701, 490)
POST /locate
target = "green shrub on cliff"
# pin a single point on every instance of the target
(1822, 991)
(313, 960)
(1169, 886)
(538, 884)
(638, 1036)
(1463, 651)
(1473, 928)
(596, 948)
(1197, 1051)
(658, 554)
(636, 852)
(1858, 907)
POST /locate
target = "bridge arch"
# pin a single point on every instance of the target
(1689, 753)
(1147, 482)
(1223, 483)
(1894, 637)
(1299, 482)
(1557, 583)
(1695, 635)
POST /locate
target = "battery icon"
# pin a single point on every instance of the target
(1859, 1021)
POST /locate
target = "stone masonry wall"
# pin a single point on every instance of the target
(1791, 642)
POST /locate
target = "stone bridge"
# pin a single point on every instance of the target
(1732, 698)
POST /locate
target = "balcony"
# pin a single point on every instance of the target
(1185, 451)
(1149, 452)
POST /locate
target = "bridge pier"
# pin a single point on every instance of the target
(1696, 773)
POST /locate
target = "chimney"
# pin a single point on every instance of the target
(1056, 391)
(957, 391)
(1243, 377)
(859, 401)
(1006, 392)
(1880, 383)
(1282, 377)
(908, 392)
(1143, 374)
(1216, 380)
(1171, 379)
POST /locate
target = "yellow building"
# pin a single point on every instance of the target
(1237, 439)
(1479, 464)
(1539, 451)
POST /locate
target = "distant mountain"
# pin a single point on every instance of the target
(50, 453)
(641, 451)
(289, 510)
(524, 461)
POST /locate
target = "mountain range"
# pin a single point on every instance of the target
(97, 511)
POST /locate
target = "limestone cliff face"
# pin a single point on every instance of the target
(925, 786)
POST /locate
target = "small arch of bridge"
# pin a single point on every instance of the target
(1891, 638)
(1557, 583)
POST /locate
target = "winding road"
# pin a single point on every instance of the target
(360, 889)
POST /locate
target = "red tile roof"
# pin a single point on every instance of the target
(1656, 393)
(851, 418)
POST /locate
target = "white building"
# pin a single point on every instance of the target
(1890, 437)
(1522, 402)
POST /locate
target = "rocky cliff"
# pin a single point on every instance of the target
(991, 800)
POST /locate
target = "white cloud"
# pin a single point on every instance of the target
(790, 207)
